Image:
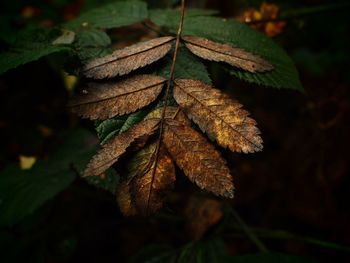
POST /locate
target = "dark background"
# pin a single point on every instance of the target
(299, 183)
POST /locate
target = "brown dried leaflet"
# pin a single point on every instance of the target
(199, 160)
(123, 61)
(234, 56)
(218, 115)
(106, 100)
(114, 148)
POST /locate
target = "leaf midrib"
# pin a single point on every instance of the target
(119, 95)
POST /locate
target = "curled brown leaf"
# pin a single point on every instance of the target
(114, 148)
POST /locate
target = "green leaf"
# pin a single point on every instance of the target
(284, 75)
(209, 251)
(29, 46)
(155, 254)
(113, 15)
(23, 191)
(166, 17)
(267, 258)
(92, 44)
(204, 251)
(187, 66)
(108, 128)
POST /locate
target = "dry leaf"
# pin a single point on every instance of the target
(106, 100)
(126, 204)
(114, 148)
(236, 57)
(218, 115)
(199, 159)
(153, 178)
(123, 61)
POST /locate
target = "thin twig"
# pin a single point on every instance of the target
(170, 80)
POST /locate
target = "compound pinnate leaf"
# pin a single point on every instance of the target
(123, 61)
(114, 148)
(199, 159)
(106, 100)
(218, 115)
(153, 178)
(124, 199)
(234, 56)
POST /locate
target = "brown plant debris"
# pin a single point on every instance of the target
(123, 61)
(234, 56)
(152, 178)
(199, 159)
(201, 214)
(113, 149)
(218, 115)
(106, 100)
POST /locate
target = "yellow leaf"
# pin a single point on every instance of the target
(26, 162)
(69, 81)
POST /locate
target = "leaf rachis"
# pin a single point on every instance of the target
(171, 77)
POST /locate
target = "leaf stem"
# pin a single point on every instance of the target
(170, 80)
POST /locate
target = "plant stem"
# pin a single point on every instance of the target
(170, 80)
(285, 235)
(250, 234)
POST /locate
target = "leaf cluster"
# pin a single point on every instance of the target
(165, 136)
(157, 118)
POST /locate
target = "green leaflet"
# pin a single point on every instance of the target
(236, 34)
(156, 254)
(30, 45)
(113, 15)
(170, 17)
(108, 128)
(212, 250)
(92, 44)
(23, 191)
(268, 258)
(187, 66)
